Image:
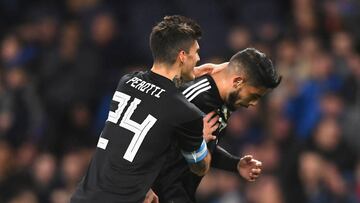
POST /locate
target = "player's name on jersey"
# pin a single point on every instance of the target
(145, 87)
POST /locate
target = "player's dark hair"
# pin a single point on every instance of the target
(258, 68)
(171, 35)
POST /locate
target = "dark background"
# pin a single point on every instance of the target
(60, 62)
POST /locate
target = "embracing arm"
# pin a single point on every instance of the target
(202, 167)
(199, 160)
(209, 68)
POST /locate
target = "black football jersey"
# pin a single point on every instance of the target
(176, 183)
(147, 114)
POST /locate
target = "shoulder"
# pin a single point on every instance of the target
(193, 88)
(200, 81)
(131, 75)
(183, 107)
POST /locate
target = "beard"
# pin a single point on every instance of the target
(231, 101)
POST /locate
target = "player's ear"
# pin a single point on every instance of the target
(181, 56)
(238, 82)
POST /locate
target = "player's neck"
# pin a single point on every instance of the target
(166, 70)
(221, 81)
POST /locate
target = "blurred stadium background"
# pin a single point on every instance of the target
(60, 62)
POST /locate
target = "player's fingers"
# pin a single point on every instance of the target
(256, 171)
(253, 177)
(258, 164)
(213, 121)
(208, 137)
(214, 128)
(247, 158)
(211, 138)
(208, 116)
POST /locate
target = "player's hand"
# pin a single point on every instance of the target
(249, 168)
(210, 125)
(151, 197)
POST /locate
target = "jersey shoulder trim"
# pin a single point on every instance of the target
(197, 88)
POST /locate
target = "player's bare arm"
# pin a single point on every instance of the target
(210, 125)
(202, 167)
(209, 68)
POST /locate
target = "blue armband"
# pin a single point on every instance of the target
(196, 156)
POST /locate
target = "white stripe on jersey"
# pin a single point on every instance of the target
(194, 85)
(198, 92)
(196, 89)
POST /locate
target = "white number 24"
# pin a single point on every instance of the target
(139, 129)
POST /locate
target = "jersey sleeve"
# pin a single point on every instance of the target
(222, 159)
(191, 142)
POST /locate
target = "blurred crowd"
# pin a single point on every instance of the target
(60, 62)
